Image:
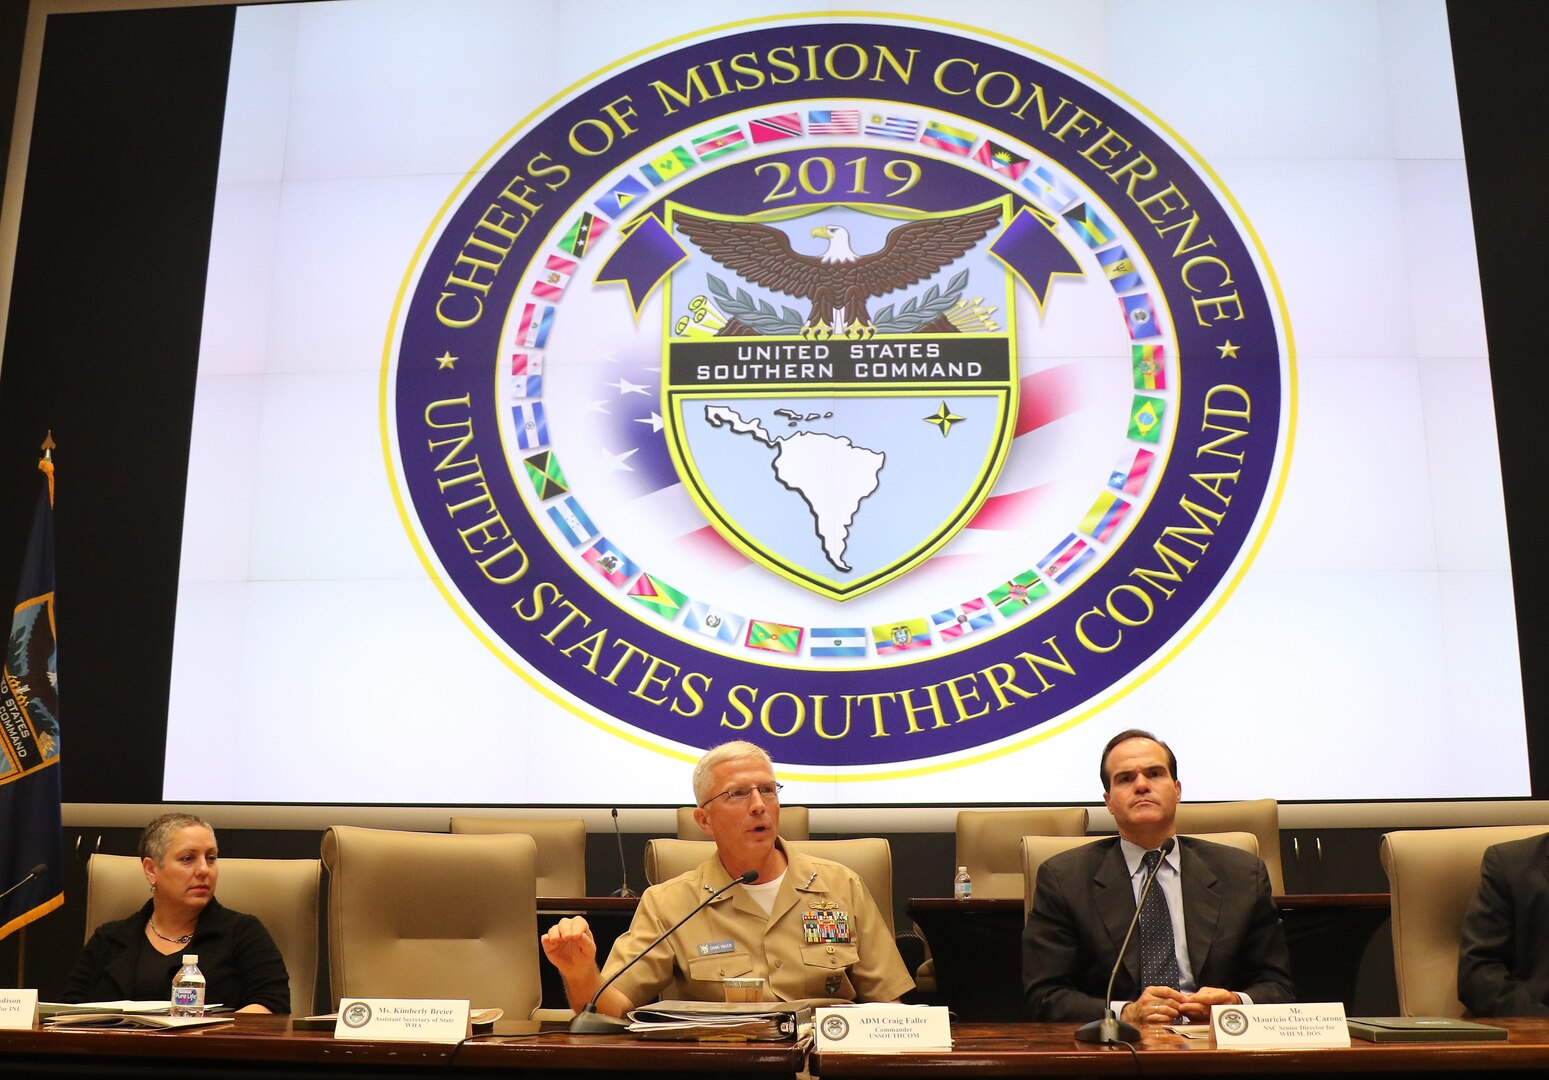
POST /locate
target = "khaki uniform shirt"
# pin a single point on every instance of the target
(824, 937)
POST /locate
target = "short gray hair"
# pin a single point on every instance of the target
(157, 836)
(730, 751)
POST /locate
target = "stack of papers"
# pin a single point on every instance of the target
(721, 1021)
(47, 1009)
(147, 1015)
(144, 1021)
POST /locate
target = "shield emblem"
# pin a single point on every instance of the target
(839, 382)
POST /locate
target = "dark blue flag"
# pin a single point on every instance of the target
(30, 833)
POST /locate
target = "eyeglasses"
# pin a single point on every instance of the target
(767, 792)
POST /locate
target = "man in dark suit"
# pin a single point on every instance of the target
(1217, 941)
(1503, 961)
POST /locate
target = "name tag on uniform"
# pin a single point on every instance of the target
(713, 948)
(819, 926)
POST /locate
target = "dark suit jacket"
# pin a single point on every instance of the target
(241, 964)
(1083, 904)
(1503, 959)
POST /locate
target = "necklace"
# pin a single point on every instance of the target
(184, 940)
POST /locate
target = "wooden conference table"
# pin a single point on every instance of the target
(264, 1046)
(1049, 1050)
(255, 1046)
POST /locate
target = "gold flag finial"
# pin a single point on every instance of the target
(46, 463)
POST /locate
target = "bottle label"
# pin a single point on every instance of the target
(185, 997)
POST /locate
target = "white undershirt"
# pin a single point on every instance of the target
(764, 894)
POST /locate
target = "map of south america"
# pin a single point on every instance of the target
(829, 472)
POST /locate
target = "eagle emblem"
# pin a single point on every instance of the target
(839, 282)
(802, 432)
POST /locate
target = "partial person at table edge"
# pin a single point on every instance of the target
(136, 957)
(1503, 955)
(807, 926)
(1209, 935)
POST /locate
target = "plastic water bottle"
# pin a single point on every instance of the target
(188, 988)
(962, 885)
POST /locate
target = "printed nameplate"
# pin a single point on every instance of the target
(18, 1009)
(874, 1028)
(403, 1019)
(1317, 1024)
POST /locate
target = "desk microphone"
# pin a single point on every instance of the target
(591, 1022)
(1110, 1029)
(623, 889)
(37, 871)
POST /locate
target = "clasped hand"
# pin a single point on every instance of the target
(1164, 1005)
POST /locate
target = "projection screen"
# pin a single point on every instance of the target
(924, 400)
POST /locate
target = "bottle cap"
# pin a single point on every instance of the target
(962, 869)
(190, 959)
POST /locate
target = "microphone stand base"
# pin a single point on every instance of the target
(1110, 1029)
(626, 893)
(591, 1022)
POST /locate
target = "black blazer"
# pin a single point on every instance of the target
(241, 964)
(1503, 959)
(1083, 903)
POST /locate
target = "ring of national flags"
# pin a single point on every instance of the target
(998, 605)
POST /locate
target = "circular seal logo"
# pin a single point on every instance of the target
(835, 1027)
(1234, 1021)
(876, 389)
(357, 1014)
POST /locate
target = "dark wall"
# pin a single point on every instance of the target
(13, 27)
(101, 348)
(1506, 145)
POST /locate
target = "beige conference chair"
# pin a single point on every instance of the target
(1261, 817)
(432, 915)
(989, 843)
(561, 845)
(281, 892)
(1038, 849)
(1432, 876)
(793, 824)
(870, 857)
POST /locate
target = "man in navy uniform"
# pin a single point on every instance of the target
(807, 926)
